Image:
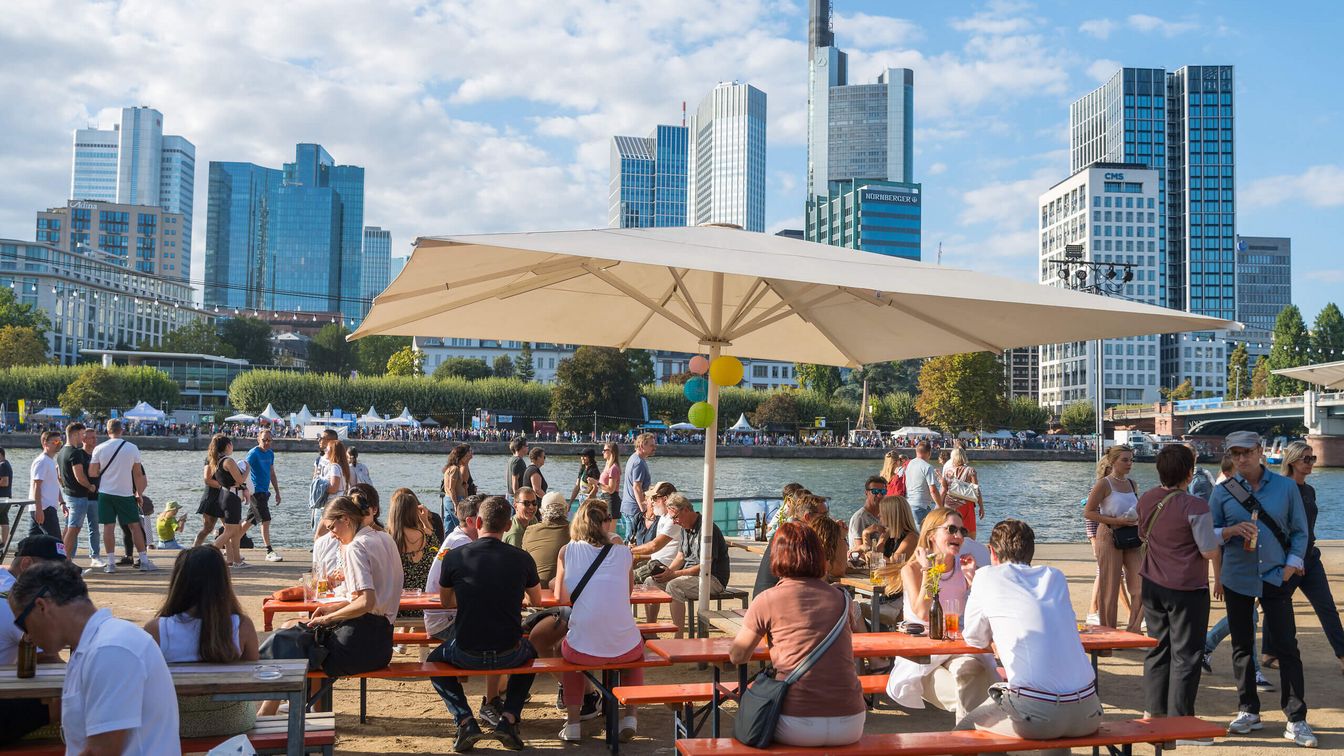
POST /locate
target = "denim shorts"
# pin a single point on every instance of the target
(80, 510)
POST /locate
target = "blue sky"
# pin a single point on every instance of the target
(496, 116)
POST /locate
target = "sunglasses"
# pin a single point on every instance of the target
(955, 530)
(21, 621)
(877, 491)
(528, 502)
(1310, 459)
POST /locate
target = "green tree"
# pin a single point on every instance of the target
(887, 377)
(329, 352)
(13, 313)
(1327, 334)
(405, 361)
(823, 379)
(1186, 390)
(1289, 350)
(595, 379)
(503, 366)
(1079, 418)
(779, 408)
(22, 346)
(523, 367)
(896, 409)
(641, 366)
(1239, 373)
(961, 391)
(249, 338)
(196, 337)
(471, 368)
(373, 352)
(1260, 379)
(95, 391)
(1026, 414)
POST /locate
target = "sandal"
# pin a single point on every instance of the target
(1269, 662)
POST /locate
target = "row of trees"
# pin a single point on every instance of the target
(87, 388)
(1293, 345)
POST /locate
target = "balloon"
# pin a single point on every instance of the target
(696, 389)
(726, 371)
(699, 365)
(701, 415)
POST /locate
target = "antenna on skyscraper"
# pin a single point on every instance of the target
(683, 114)
(940, 253)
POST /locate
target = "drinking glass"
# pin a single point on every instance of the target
(309, 587)
(952, 618)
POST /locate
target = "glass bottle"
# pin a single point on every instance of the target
(27, 661)
(936, 627)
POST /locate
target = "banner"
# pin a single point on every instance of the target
(23, 411)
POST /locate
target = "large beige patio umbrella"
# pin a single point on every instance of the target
(1328, 375)
(722, 290)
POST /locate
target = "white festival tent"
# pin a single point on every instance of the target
(303, 417)
(916, 431)
(372, 417)
(742, 426)
(404, 419)
(50, 412)
(269, 414)
(682, 427)
(721, 290)
(241, 417)
(144, 412)
(1327, 375)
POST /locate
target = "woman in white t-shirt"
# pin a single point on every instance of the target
(370, 592)
(601, 627)
(201, 620)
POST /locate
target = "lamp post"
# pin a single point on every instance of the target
(1105, 279)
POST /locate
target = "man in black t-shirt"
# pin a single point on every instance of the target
(513, 473)
(485, 581)
(72, 465)
(6, 491)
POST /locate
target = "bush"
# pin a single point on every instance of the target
(121, 387)
(251, 391)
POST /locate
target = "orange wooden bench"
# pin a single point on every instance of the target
(270, 735)
(1119, 736)
(423, 638)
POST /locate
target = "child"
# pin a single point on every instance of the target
(169, 524)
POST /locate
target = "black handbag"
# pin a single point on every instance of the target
(1126, 537)
(759, 705)
(297, 642)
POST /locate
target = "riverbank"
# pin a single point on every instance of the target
(565, 449)
(409, 718)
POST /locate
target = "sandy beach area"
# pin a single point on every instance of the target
(409, 718)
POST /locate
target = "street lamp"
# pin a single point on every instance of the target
(1107, 279)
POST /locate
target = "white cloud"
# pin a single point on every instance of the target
(1318, 186)
(1152, 24)
(1008, 203)
(936, 169)
(1100, 28)
(796, 222)
(864, 30)
(1103, 69)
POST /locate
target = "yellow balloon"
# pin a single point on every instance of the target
(726, 371)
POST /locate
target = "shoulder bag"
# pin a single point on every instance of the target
(1247, 500)
(1148, 529)
(1126, 537)
(561, 613)
(103, 471)
(957, 488)
(759, 706)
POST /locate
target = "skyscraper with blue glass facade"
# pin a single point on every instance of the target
(648, 179)
(1181, 123)
(287, 239)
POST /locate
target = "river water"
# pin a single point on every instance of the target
(1045, 494)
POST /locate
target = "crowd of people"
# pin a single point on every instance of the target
(1245, 537)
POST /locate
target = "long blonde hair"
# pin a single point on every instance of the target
(1107, 461)
(958, 457)
(1294, 452)
(895, 515)
(889, 464)
(932, 522)
(589, 523)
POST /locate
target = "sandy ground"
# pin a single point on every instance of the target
(409, 718)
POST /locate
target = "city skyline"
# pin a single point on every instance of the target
(447, 146)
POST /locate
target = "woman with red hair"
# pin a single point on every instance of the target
(825, 706)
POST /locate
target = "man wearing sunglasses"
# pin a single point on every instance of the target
(21, 716)
(865, 525)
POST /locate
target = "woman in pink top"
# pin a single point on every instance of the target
(825, 706)
(609, 482)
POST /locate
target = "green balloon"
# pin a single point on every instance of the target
(701, 415)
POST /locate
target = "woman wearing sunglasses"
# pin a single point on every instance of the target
(1298, 463)
(957, 683)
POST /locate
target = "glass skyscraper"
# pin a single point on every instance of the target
(873, 216)
(648, 179)
(726, 158)
(135, 163)
(287, 239)
(377, 273)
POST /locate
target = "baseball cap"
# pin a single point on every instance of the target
(1242, 440)
(41, 547)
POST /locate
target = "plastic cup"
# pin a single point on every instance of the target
(309, 587)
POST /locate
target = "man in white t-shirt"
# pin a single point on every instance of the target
(118, 695)
(1026, 613)
(923, 487)
(20, 716)
(120, 471)
(45, 488)
(439, 623)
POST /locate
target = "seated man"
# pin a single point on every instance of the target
(20, 716)
(485, 581)
(1026, 613)
(681, 579)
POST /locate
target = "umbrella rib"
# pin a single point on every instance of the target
(771, 315)
(923, 318)
(802, 308)
(680, 286)
(556, 265)
(753, 297)
(625, 288)
(648, 315)
(502, 292)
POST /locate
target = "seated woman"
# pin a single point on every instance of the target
(896, 542)
(833, 545)
(825, 706)
(957, 683)
(545, 539)
(601, 625)
(411, 531)
(201, 620)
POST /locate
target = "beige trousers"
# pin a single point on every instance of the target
(959, 685)
(1112, 563)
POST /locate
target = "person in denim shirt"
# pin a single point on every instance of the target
(1269, 572)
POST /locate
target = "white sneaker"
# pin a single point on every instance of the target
(572, 733)
(1094, 619)
(274, 556)
(1300, 733)
(146, 565)
(241, 564)
(109, 567)
(96, 562)
(628, 727)
(1244, 723)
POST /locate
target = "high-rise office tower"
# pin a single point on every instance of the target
(287, 239)
(135, 163)
(145, 238)
(648, 179)
(377, 272)
(1264, 279)
(1181, 123)
(725, 180)
(860, 145)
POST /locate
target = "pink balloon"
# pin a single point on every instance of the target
(699, 365)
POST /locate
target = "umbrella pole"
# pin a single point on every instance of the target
(707, 513)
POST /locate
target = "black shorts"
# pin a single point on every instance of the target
(260, 508)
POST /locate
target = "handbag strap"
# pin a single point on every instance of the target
(583, 581)
(1152, 518)
(826, 642)
(1247, 500)
(110, 460)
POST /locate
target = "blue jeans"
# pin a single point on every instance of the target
(920, 514)
(450, 688)
(82, 511)
(632, 524)
(1219, 632)
(449, 515)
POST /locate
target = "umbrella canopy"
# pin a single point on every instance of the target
(372, 417)
(1325, 374)
(145, 412)
(742, 426)
(753, 295)
(241, 417)
(304, 416)
(269, 414)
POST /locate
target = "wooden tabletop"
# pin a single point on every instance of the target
(861, 583)
(749, 544)
(188, 679)
(683, 650)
